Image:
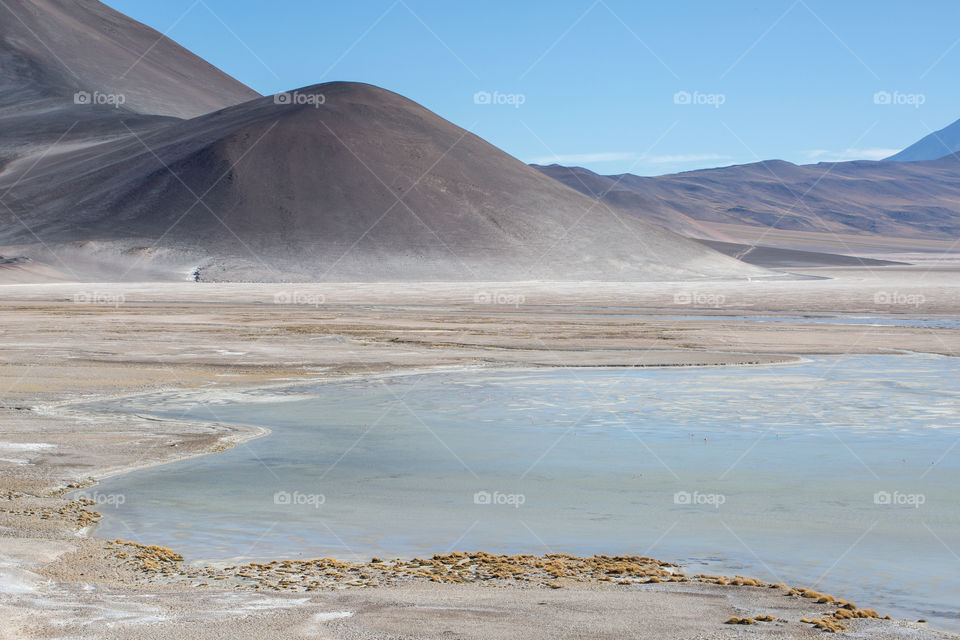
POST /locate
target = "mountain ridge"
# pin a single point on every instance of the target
(933, 146)
(910, 200)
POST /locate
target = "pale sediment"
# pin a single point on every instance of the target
(122, 589)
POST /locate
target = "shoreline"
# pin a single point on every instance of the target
(40, 528)
(220, 566)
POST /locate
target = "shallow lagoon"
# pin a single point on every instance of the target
(836, 473)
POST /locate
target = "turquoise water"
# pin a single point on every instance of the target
(836, 473)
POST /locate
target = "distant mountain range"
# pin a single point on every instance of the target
(825, 206)
(906, 203)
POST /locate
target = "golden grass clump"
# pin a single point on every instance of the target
(755, 619)
(740, 581)
(151, 558)
(832, 623)
(827, 624)
(847, 614)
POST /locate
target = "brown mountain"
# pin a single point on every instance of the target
(825, 205)
(344, 181)
(72, 70)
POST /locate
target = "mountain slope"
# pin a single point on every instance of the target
(365, 186)
(938, 144)
(56, 53)
(918, 200)
(54, 48)
(634, 194)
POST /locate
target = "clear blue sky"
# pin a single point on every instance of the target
(598, 79)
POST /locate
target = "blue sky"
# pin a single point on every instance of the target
(612, 85)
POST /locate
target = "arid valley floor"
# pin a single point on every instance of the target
(66, 344)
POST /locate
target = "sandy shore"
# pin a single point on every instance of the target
(66, 344)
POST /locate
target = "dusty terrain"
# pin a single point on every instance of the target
(69, 343)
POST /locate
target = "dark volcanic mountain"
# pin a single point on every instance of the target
(918, 201)
(347, 182)
(190, 172)
(932, 147)
(71, 70)
(50, 49)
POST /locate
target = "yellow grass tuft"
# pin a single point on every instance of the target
(828, 624)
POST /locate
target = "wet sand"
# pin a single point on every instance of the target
(69, 344)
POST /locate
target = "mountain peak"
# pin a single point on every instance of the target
(934, 146)
(52, 50)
